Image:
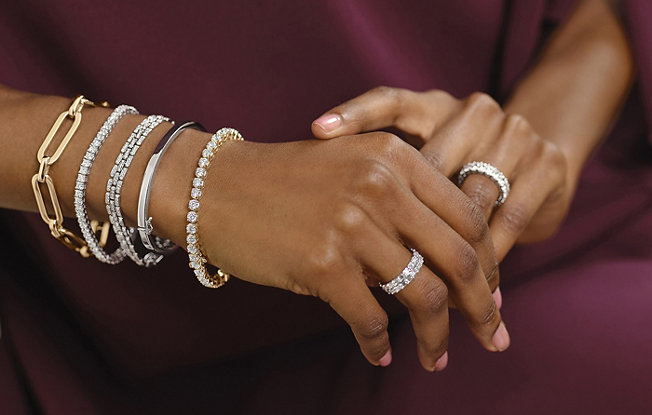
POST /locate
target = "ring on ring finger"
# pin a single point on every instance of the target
(490, 171)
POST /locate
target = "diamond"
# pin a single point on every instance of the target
(191, 239)
(190, 228)
(194, 265)
(197, 182)
(193, 249)
(196, 258)
(195, 193)
(211, 145)
(200, 273)
(203, 162)
(193, 204)
(200, 172)
(192, 217)
(207, 153)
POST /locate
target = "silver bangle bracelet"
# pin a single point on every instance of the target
(126, 236)
(80, 187)
(145, 227)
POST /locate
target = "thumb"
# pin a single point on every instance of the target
(376, 109)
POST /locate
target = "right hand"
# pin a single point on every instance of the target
(329, 219)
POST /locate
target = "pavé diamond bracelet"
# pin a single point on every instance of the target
(127, 236)
(85, 224)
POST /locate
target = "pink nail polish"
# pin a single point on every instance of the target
(498, 298)
(386, 360)
(442, 362)
(329, 122)
(501, 338)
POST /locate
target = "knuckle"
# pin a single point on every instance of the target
(440, 94)
(387, 144)
(433, 158)
(483, 103)
(493, 277)
(518, 125)
(553, 158)
(483, 195)
(323, 261)
(467, 263)
(349, 219)
(394, 95)
(477, 230)
(489, 316)
(375, 179)
(373, 326)
(383, 90)
(433, 296)
(515, 218)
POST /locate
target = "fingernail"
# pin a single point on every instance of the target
(442, 362)
(386, 360)
(329, 122)
(498, 298)
(501, 338)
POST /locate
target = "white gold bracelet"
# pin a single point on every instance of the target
(80, 187)
(126, 236)
(197, 259)
(145, 227)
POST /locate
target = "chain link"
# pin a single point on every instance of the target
(63, 235)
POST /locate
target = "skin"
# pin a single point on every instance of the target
(326, 219)
(322, 218)
(540, 140)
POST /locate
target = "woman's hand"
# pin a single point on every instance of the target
(330, 219)
(451, 133)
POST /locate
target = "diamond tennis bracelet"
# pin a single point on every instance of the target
(197, 259)
(80, 187)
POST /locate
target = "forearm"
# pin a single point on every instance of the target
(26, 118)
(572, 95)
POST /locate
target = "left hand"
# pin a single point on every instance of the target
(452, 132)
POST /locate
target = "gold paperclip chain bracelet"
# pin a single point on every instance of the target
(63, 235)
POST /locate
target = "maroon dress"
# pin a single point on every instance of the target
(81, 337)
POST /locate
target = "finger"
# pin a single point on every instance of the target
(456, 262)
(426, 297)
(440, 195)
(415, 113)
(533, 187)
(357, 306)
(472, 129)
(515, 138)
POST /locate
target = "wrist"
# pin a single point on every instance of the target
(172, 183)
(105, 161)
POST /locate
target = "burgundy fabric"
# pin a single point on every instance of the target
(83, 337)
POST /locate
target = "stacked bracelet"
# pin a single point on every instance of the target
(197, 259)
(145, 227)
(126, 236)
(85, 224)
(63, 235)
